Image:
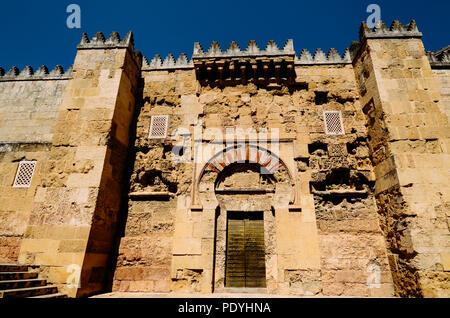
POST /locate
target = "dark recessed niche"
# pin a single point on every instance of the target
(321, 98)
(312, 148)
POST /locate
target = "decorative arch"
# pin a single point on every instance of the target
(267, 160)
(245, 154)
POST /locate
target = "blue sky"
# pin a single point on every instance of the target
(35, 33)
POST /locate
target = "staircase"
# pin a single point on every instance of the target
(16, 281)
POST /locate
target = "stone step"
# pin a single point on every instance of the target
(28, 292)
(13, 268)
(17, 275)
(22, 283)
(58, 295)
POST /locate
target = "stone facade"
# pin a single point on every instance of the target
(141, 164)
(29, 106)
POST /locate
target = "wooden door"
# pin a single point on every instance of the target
(246, 266)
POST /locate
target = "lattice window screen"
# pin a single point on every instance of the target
(333, 123)
(24, 174)
(158, 127)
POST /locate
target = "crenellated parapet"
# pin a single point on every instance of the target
(169, 63)
(28, 74)
(319, 58)
(397, 30)
(271, 52)
(271, 66)
(99, 41)
(252, 50)
(440, 59)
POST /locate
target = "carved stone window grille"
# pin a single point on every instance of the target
(333, 123)
(158, 127)
(24, 174)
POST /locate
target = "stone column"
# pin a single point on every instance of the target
(409, 143)
(73, 220)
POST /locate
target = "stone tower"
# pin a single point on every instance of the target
(408, 133)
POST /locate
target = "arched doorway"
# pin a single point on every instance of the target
(246, 194)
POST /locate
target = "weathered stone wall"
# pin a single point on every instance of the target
(408, 141)
(145, 251)
(28, 112)
(342, 181)
(353, 249)
(16, 203)
(305, 261)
